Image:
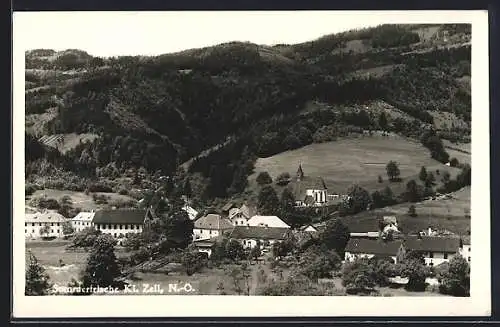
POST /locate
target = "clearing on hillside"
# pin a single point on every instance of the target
(65, 142)
(348, 161)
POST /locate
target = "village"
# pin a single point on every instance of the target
(261, 236)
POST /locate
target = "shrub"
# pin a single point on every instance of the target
(264, 178)
(86, 238)
(283, 179)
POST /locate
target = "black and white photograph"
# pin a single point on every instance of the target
(296, 163)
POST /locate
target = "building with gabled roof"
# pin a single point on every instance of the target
(368, 248)
(435, 249)
(211, 225)
(250, 236)
(309, 191)
(82, 220)
(48, 223)
(119, 223)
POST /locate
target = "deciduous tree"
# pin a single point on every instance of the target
(37, 280)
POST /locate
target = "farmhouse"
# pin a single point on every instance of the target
(82, 220)
(267, 221)
(240, 216)
(43, 224)
(210, 225)
(436, 250)
(250, 236)
(121, 222)
(367, 248)
(309, 191)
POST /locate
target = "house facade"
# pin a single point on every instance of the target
(465, 249)
(210, 225)
(250, 236)
(43, 224)
(119, 223)
(240, 216)
(82, 220)
(368, 248)
(436, 250)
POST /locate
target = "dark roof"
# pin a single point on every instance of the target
(258, 232)
(376, 247)
(432, 244)
(361, 224)
(212, 221)
(120, 216)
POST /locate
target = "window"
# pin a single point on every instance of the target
(25, 231)
(446, 255)
(58, 231)
(121, 226)
(210, 232)
(32, 230)
(52, 231)
(25, 224)
(57, 224)
(469, 249)
(431, 255)
(114, 234)
(468, 259)
(51, 224)
(33, 224)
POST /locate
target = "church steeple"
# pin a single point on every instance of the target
(300, 172)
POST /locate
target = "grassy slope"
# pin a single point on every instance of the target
(80, 199)
(358, 160)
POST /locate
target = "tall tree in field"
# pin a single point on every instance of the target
(423, 174)
(287, 201)
(456, 281)
(392, 170)
(359, 199)
(268, 202)
(382, 121)
(37, 281)
(102, 266)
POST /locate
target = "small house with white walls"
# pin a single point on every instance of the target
(435, 249)
(250, 236)
(82, 220)
(43, 224)
(120, 223)
(267, 221)
(369, 248)
(240, 216)
(210, 226)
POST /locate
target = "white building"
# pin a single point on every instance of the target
(436, 250)
(309, 191)
(240, 216)
(119, 223)
(43, 224)
(210, 226)
(82, 220)
(465, 249)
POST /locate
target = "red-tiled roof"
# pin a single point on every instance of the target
(376, 247)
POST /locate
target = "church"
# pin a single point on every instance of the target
(309, 191)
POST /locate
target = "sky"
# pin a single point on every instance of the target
(152, 33)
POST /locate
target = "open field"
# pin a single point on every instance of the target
(349, 161)
(448, 214)
(461, 151)
(80, 199)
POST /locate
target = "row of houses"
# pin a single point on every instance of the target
(435, 249)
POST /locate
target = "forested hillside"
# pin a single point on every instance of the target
(154, 113)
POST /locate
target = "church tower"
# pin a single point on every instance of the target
(300, 173)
